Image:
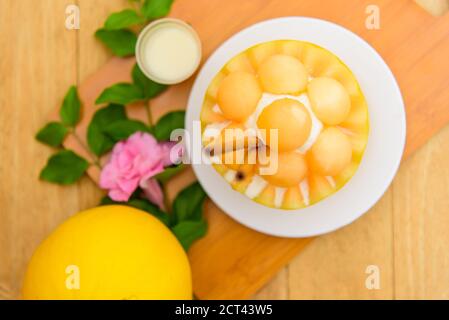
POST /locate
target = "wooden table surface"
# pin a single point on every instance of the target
(406, 234)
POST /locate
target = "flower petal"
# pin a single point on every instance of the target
(108, 177)
(171, 153)
(134, 161)
(128, 186)
(118, 195)
(153, 192)
(151, 172)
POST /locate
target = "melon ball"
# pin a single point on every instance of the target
(238, 95)
(329, 99)
(291, 169)
(283, 74)
(291, 119)
(331, 153)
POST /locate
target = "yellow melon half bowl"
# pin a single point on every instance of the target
(314, 101)
(110, 252)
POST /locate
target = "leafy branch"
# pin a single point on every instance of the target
(117, 33)
(64, 167)
(110, 124)
(186, 218)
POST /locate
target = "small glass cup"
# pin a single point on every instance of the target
(168, 51)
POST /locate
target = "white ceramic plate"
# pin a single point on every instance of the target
(385, 144)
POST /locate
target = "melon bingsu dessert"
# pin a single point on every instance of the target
(289, 121)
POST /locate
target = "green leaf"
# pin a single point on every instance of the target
(121, 93)
(123, 19)
(52, 134)
(65, 167)
(122, 42)
(188, 205)
(98, 141)
(169, 173)
(122, 129)
(71, 108)
(149, 88)
(154, 9)
(141, 204)
(168, 123)
(147, 206)
(106, 201)
(189, 231)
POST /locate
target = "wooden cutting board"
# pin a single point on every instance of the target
(232, 261)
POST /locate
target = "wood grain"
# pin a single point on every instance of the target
(391, 235)
(435, 7)
(37, 64)
(413, 262)
(421, 222)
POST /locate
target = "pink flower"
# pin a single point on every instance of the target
(172, 152)
(133, 163)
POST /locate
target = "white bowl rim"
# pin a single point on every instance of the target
(386, 140)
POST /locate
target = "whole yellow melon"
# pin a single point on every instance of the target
(109, 252)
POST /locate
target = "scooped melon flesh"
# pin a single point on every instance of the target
(336, 99)
(238, 95)
(293, 199)
(319, 188)
(329, 99)
(291, 120)
(283, 74)
(291, 169)
(331, 153)
(242, 164)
